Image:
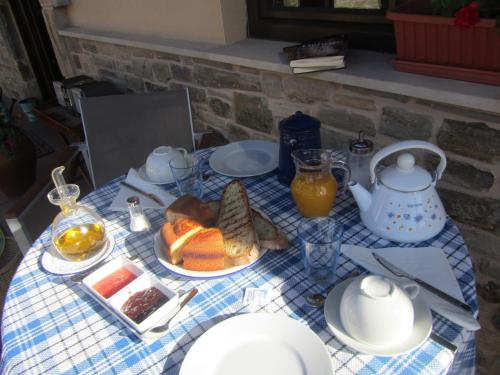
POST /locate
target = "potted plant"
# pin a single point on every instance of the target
(17, 157)
(456, 39)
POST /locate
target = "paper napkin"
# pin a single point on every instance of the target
(133, 178)
(427, 263)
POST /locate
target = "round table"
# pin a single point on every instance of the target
(50, 325)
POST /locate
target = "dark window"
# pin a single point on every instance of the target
(301, 20)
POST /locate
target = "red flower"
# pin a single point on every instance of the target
(468, 15)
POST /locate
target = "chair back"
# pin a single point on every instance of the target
(121, 130)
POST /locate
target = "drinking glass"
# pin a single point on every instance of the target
(187, 174)
(320, 240)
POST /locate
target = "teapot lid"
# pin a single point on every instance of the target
(405, 175)
(299, 122)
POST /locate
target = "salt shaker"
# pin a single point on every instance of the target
(138, 221)
(360, 153)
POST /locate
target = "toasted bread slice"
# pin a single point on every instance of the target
(270, 237)
(204, 251)
(176, 236)
(188, 206)
(235, 221)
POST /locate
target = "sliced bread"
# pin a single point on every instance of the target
(235, 222)
(270, 237)
(204, 251)
(188, 206)
(175, 236)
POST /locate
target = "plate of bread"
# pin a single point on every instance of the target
(216, 238)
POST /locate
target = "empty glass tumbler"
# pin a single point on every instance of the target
(320, 240)
(187, 174)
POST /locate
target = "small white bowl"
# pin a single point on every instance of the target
(144, 282)
(377, 311)
(157, 164)
(107, 269)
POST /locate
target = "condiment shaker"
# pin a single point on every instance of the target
(138, 221)
(358, 159)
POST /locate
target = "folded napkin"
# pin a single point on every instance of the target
(133, 178)
(427, 263)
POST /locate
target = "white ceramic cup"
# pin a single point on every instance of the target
(377, 311)
(157, 164)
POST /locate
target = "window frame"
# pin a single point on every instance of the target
(365, 29)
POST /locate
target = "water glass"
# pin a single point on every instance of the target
(187, 174)
(320, 240)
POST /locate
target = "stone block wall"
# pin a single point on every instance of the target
(16, 76)
(245, 103)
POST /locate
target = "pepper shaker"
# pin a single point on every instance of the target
(360, 153)
(138, 221)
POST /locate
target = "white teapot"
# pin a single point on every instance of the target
(403, 204)
(376, 311)
(157, 164)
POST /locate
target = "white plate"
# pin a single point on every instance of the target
(258, 344)
(246, 158)
(142, 174)
(159, 248)
(54, 263)
(422, 326)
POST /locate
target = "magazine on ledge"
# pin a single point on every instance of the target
(317, 55)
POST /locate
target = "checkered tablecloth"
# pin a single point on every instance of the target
(50, 326)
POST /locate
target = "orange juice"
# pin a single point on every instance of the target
(314, 192)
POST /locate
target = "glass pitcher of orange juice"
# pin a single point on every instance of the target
(314, 187)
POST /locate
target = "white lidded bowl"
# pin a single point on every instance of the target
(157, 164)
(377, 311)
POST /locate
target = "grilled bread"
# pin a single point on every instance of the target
(204, 251)
(188, 206)
(270, 237)
(235, 221)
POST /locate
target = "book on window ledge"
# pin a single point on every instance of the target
(317, 55)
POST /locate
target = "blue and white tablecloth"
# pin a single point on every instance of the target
(50, 326)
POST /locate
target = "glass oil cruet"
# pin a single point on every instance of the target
(314, 187)
(78, 233)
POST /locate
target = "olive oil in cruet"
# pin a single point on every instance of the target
(78, 233)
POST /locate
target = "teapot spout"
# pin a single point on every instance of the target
(362, 196)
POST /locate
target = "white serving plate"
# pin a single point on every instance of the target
(258, 344)
(159, 249)
(54, 263)
(245, 158)
(422, 326)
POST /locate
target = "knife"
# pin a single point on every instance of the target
(183, 303)
(149, 195)
(400, 273)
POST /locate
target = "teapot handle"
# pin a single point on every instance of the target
(182, 150)
(386, 151)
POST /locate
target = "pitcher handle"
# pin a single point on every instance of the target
(182, 150)
(347, 172)
(386, 151)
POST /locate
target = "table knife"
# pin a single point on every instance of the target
(145, 193)
(400, 273)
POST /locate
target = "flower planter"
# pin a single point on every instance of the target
(433, 45)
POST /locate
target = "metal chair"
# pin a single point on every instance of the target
(121, 130)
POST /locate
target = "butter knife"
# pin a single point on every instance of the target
(400, 273)
(149, 195)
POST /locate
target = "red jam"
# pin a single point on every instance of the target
(114, 282)
(144, 303)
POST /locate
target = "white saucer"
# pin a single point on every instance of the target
(245, 158)
(54, 263)
(421, 328)
(142, 174)
(258, 344)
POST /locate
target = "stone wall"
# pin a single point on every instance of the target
(16, 75)
(244, 103)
